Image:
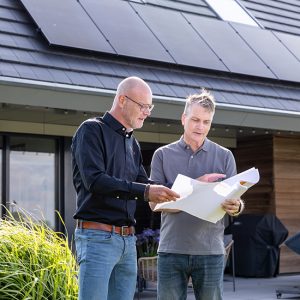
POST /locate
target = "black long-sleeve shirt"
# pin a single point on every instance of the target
(107, 172)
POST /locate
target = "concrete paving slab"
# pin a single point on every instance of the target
(246, 288)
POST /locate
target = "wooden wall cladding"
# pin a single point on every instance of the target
(278, 191)
(257, 152)
(287, 194)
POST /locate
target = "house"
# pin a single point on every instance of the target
(61, 61)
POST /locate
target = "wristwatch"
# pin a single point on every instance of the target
(146, 193)
(238, 211)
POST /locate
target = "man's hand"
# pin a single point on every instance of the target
(233, 206)
(211, 177)
(160, 193)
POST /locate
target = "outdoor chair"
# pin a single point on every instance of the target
(147, 272)
(229, 256)
(292, 243)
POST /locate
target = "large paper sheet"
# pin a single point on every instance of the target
(203, 200)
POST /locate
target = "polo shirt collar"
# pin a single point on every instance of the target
(204, 147)
(116, 125)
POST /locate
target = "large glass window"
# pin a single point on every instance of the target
(1, 155)
(32, 177)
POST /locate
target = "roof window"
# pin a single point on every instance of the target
(232, 11)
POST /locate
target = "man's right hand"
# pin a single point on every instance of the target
(212, 177)
(160, 193)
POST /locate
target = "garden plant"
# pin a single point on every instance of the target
(147, 242)
(36, 262)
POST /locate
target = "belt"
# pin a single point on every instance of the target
(121, 230)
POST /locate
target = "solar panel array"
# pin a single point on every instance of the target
(132, 29)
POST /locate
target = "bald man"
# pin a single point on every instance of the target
(109, 179)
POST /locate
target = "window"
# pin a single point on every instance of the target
(230, 10)
(32, 177)
(1, 155)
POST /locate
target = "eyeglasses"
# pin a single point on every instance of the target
(143, 107)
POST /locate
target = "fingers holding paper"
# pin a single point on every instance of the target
(233, 206)
(212, 177)
(160, 193)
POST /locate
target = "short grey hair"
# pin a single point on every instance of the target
(204, 99)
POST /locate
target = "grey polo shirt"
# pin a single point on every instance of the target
(181, 232)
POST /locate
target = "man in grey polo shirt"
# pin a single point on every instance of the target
(191, 247)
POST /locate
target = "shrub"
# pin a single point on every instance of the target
(36, 263)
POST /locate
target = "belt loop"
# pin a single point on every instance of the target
(113, 229)
(79, 224)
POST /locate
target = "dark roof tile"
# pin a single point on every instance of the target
(8, 69)
(276, 15)
(166, 90)
(108, 82)
(26, 72)
(7, 54)
(60, 76)
(7, 40)
(24, 56)
(43, 74)
(92, 80)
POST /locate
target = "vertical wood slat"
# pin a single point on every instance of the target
(257, 152)
(287, 194)
(278, 191)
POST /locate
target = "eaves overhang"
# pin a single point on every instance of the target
(79, 98)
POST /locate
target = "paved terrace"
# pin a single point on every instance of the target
(247, 288)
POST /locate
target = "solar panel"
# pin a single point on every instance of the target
(228, 45)
(65, 23)
(179, 38)
(126, 32)
(274, 54)
(292, 42)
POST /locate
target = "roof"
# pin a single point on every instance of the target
(282, 16)
(25, 55)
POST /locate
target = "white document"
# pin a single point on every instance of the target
(203, 200)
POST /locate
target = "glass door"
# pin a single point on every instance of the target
(1, 159)
(32, 177)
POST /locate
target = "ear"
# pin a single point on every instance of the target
(121, 100)
(183, 117)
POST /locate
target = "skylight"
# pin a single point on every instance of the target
(230, 10)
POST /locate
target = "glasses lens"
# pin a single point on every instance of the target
(145, 108)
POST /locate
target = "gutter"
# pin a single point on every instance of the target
(107, 92)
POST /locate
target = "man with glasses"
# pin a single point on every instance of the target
(109, 178)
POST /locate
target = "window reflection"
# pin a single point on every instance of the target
(32, 186)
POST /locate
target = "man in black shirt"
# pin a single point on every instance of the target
(109, 178)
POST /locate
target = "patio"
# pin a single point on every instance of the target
(247, 288)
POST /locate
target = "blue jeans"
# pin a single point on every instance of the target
(107, 265)
(174, 271)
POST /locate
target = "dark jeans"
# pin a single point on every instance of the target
(174, 271)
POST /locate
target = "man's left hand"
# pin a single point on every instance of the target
(233, 206)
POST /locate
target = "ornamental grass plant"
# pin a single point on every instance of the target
(36, 263)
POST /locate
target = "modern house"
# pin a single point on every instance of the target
(61, 61)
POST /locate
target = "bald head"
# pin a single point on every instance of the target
(131, 84)
(132, 93)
